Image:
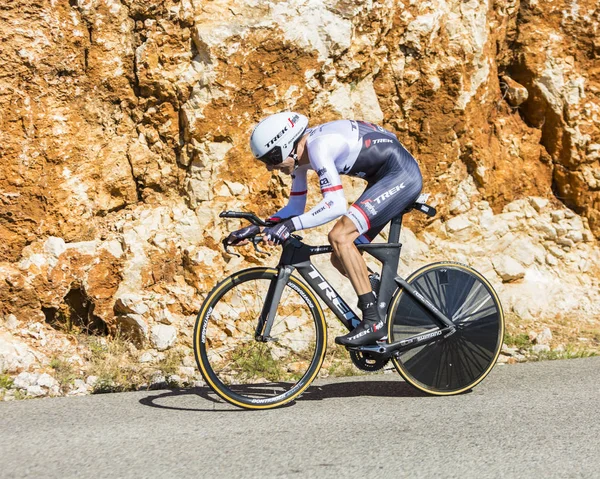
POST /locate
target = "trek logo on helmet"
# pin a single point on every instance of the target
(279, 135)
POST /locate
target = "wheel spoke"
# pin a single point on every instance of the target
(240, 368)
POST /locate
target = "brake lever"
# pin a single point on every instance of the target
(255, 242)
(225, 245)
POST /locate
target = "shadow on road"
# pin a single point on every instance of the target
(348, 389)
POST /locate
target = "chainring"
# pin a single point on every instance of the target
(365, 362)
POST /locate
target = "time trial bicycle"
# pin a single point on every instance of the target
(260, 336)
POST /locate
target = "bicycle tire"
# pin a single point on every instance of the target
(252, 374)
(458, 362)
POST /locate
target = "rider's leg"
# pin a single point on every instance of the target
(371, 328)
(341, 238)
(337, 264)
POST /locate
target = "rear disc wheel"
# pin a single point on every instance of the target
(455, 363)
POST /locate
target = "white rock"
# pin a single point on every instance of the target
(133, 326)
(91, 381)
(187, 372)
(36, 391)
(84, 247)
(130, 303)
(551, 260)
(236, 188)
(14, 354)
(78, 388)
(544, 337)
(25, 380)
(55, 246)
(458, 223)
(508, 268)
(146, 358)
(158, 380)
(113, 247)
(163, 337)
(164, 316)
(540, 348)
(46, 381)
(11, 322)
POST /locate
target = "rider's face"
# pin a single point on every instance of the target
(286, 166)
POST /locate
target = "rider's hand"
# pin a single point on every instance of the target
(279, 233)
(238, 237)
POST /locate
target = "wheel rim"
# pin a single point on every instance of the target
(457, 362)
(264, 374)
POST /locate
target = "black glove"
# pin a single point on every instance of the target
(241, 234)
(280, 232)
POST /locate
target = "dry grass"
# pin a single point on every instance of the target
(571, 337)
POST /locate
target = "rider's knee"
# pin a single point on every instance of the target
(342, 234)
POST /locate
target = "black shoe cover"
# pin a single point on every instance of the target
(367, 332)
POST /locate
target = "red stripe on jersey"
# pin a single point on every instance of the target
(331, 188)
(365, 215)
(298, 193)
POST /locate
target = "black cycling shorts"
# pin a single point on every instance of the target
(392, 187)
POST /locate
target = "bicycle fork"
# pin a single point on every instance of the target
(269, 310)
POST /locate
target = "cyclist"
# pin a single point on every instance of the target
(345, 147)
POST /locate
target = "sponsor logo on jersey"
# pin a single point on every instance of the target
(346, 169)
(324, 182)
(321, 171)
(368, 143)
(327, 205)
(382, 140)
(368, 204)
(389, 193)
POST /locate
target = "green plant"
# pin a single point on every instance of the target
(64, 372)
(6, 381)
(254, 360)
(171, 362)
(570, 352)
(114, 363)
(518, 340)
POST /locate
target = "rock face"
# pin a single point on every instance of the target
(124, 132)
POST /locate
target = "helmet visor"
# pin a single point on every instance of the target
(273, 157)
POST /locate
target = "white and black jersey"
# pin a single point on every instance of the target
(364, 150)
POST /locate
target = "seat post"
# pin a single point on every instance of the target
(395, 227)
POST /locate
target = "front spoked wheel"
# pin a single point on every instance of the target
(251, 373)
(455, 363)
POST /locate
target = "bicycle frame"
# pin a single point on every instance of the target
(296, 255)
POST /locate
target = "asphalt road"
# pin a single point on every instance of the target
(537, 420)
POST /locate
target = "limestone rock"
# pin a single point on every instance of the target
(516, 94)
(130, 303)
(163, 337)
(134, 327)
(15, 355)
(125, 134)
(508, 268)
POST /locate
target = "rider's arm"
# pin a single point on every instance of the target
(323, 151)
(297, 201)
